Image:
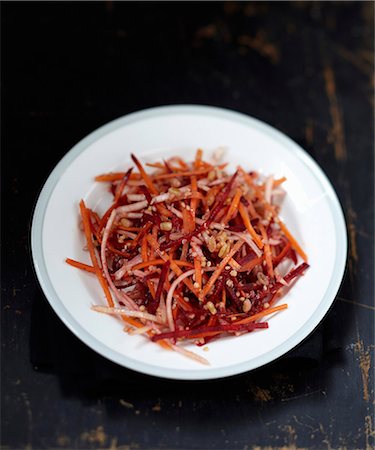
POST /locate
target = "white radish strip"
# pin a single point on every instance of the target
(168, 303)
(162, 312)
(136, 197)
(125, 312)
(134, 215)
(126, 234)
(274, 241)
(122, 210)
(129, 288)
(139, 273)
(142, 330)
(268, 189)
(175, 236)
(196, 240)
(127, 266)
(219, 181)
(176, 212)
(190, 354)
(161, 198)
(121, 296)
(196, 248)
(247, 238)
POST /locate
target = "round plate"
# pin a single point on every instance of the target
(310, 209)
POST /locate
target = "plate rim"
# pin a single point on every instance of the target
(177, 374)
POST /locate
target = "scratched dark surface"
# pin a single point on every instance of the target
(305, 68)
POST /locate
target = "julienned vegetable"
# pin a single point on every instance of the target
(188, 252)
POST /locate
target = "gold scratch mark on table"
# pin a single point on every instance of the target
(364, 359)
(352, 216)
(63, 440)
(260, 394)
(94, 436)
(369, 433)
(336, 115)
(342, 299)
(262, 45)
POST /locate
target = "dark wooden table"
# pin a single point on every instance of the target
(67, 68)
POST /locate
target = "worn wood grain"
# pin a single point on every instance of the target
(306, 68)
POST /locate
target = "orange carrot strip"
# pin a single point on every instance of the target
(184, 251)
(90, 246)
(113, 176)
(281, 255)
(253, 213)
(145, 176)
(198, 272)
(135, 323)
(292, 241)
(151, 287)
(267, 251)
(181, 162)
(156, 165)
(279, 181)
(121, 227)
(166, 176)
(274, 298)
(249, 227)
(224, 297)
(198, 158)
(219, 269)
(263, 313)
(187, 221)
(158, 262)
(234, 264)
(233, 206)
(247, 177)
(144, 249)
(79, 265)
(194, 201)
(249, 266)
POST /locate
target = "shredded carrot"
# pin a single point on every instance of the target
(145, 176)
(263, 313)
(198, 158)
(250, 229)
(292, 241)
(250, 266)
(156, 165)
(233, 206)
(114, 176)
(194, 201)
(279, 181)
(267, 251)
(219, 269)
(198, 272)
(80, 265)
(144, 250)
(166, 176)
(90, 246)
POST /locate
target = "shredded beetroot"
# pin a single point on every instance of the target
(233, 328)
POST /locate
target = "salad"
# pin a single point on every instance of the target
(188, 252)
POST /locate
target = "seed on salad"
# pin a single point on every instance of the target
(166, 226)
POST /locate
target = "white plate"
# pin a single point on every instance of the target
(311, 210)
